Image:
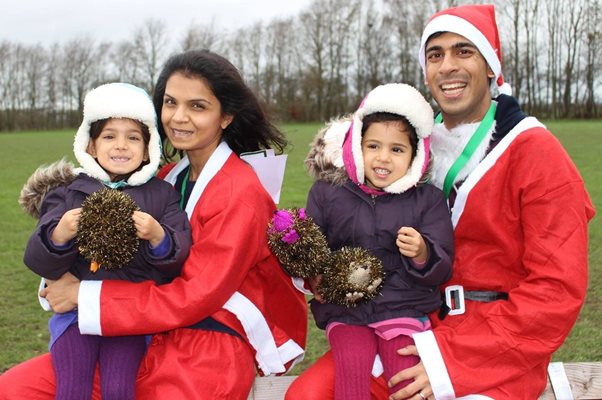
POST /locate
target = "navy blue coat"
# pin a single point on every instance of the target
(350, 217)
(156, 197)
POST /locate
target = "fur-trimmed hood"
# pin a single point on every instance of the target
(118, 100)
(336, 151)
(324, 162)
(42, 181)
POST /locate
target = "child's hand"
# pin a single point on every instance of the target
(147, 228)
(411, 244)
(66, 229)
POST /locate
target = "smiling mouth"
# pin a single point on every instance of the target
(452, 89)
(180, 133)
(381, 172)
(120, 159)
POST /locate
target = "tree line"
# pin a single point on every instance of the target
(318, 63)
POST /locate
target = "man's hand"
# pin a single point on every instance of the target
(147, 228)
(421, 383)
(62, 294)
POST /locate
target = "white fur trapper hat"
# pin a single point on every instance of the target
(118, 100)
(394, 98)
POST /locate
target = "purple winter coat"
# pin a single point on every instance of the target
(155, 197)
(350, 217)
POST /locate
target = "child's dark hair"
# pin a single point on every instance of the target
(390, 117)
(250, 129)
(96, 128)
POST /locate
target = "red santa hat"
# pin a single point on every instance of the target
(476, 23)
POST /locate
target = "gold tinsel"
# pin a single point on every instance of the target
(351, 270)
(303, 250)
(106, 234)
(304, 257)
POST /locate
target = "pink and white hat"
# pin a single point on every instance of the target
(399, 99)
(476, 23)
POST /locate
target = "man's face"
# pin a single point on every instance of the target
(458, 78)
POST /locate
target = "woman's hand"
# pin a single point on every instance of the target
(314, 282)
(421, 388)
(62, 294)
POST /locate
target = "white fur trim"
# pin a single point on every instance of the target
(451, 23)
(377, 367)
(215, 163)
(88, 304)
(399, 99)
(505, 89)
(299, 284)
(431, 357)
(333, 141)
(269, 357)
(43, 302)
(487, 163)
(118, 100)
(447, 145)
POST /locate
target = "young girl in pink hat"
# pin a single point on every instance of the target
(370, 192)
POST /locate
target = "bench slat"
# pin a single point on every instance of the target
(585, 379)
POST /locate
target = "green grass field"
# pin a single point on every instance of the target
(23, 331)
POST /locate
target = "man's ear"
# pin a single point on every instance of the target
(226, 120)
(490, 73)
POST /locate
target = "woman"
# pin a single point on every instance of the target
(233, 310)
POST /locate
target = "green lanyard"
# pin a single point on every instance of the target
(183, 188)
(469, 149)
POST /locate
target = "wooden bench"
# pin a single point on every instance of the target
(566, 381)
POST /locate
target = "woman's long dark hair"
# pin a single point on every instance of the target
(250, 129)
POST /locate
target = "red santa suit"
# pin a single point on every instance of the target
(230, 275)
(520, 227)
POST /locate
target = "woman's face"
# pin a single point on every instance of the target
(191, 115)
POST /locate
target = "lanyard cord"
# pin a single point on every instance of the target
(469, 149)
(183, 188)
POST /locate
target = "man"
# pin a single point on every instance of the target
(520, 212)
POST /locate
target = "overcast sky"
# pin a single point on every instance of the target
(50, 21)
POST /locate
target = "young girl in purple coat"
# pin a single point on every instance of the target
(370, 192)
(117, 146)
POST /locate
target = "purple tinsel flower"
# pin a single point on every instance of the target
(291, 237)
(283, 220)
(302, 214)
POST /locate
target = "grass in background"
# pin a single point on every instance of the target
(23, 332)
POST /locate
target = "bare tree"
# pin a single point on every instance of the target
(327, 37)
(199, 36)
(151, 44)
(572, 39)
(592, 55)
(126, 63)
(408, 19)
